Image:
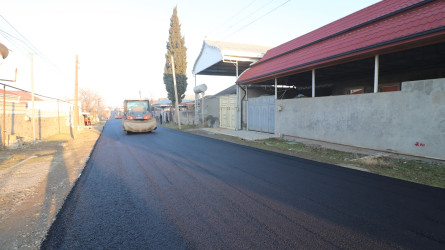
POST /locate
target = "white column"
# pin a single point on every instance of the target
(276, 83)
(376, 74)
(247, 111)
(238, 102)
(313, 83)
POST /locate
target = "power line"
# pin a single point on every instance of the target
(27, 42)
(230, 18)
(13, 40)
(29, 92)
(242, 19)
(23, 40)
(256, 19)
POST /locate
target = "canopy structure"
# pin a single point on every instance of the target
(220, 58)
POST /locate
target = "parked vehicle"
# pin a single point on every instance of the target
(118, 115)
(138, 117)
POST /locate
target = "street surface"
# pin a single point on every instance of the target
(173, 190)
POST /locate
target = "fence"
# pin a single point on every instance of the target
(51, 116)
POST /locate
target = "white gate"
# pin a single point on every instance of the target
(261, 114)
(227, 111)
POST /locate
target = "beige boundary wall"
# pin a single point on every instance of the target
(50, 118)
(410, 121)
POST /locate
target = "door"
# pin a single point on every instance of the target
(261, 114)
(227, 111)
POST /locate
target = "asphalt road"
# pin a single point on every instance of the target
(173, 190)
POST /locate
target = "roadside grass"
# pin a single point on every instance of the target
(427, 173)
(431, 173)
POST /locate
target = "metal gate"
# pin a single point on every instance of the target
(227, 111)
(261, 114)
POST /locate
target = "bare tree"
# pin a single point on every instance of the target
(92, 103)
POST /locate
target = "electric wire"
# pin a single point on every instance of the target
(13, 41)
(256, 19)
(242, 19)
(230, 18)
(23, 40)
(29, 92)
(27, 42)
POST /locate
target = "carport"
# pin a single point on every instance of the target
(220, 58)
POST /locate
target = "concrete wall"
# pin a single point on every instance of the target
(187, 117)
(211, 111)
(20, 125)
(408, 121)
(50, 118)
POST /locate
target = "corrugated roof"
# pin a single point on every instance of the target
(240, 48)
(24, 96)
(379, 26)
(214, 55)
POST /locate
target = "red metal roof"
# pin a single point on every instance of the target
(374, 29)
(24, 96)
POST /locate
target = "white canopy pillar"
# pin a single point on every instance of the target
(238, 102)
(376, 74)
(276, 84)
(313, 83)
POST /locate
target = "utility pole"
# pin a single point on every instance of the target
(176, 93)
(4, 52)
(76, 105)
(33, 120)
(4, 118)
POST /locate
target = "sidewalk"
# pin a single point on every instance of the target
(254, 135)
(243, 134)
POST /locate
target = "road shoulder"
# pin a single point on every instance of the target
(35, 179)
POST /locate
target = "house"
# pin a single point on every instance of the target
(374, 79)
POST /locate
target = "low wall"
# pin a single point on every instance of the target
(20, 125)
(187, 117)
(409, 121)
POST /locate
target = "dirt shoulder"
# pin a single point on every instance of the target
(414, 169)
(35, 179)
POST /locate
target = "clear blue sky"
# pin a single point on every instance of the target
(121, 43)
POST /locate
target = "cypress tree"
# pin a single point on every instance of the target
(175, 47)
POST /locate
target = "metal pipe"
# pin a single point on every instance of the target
(176, 93)
(32, 98)
(4, 117)
(276, 84)
(376, 74)
(241, 110)
(313, 83)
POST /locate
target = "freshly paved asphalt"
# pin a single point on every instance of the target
(173, 190)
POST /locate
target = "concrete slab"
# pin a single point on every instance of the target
(243, 134)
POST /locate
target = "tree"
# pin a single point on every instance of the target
(175, 47)
(91, 103)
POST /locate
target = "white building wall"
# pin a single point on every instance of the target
(409, 121)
